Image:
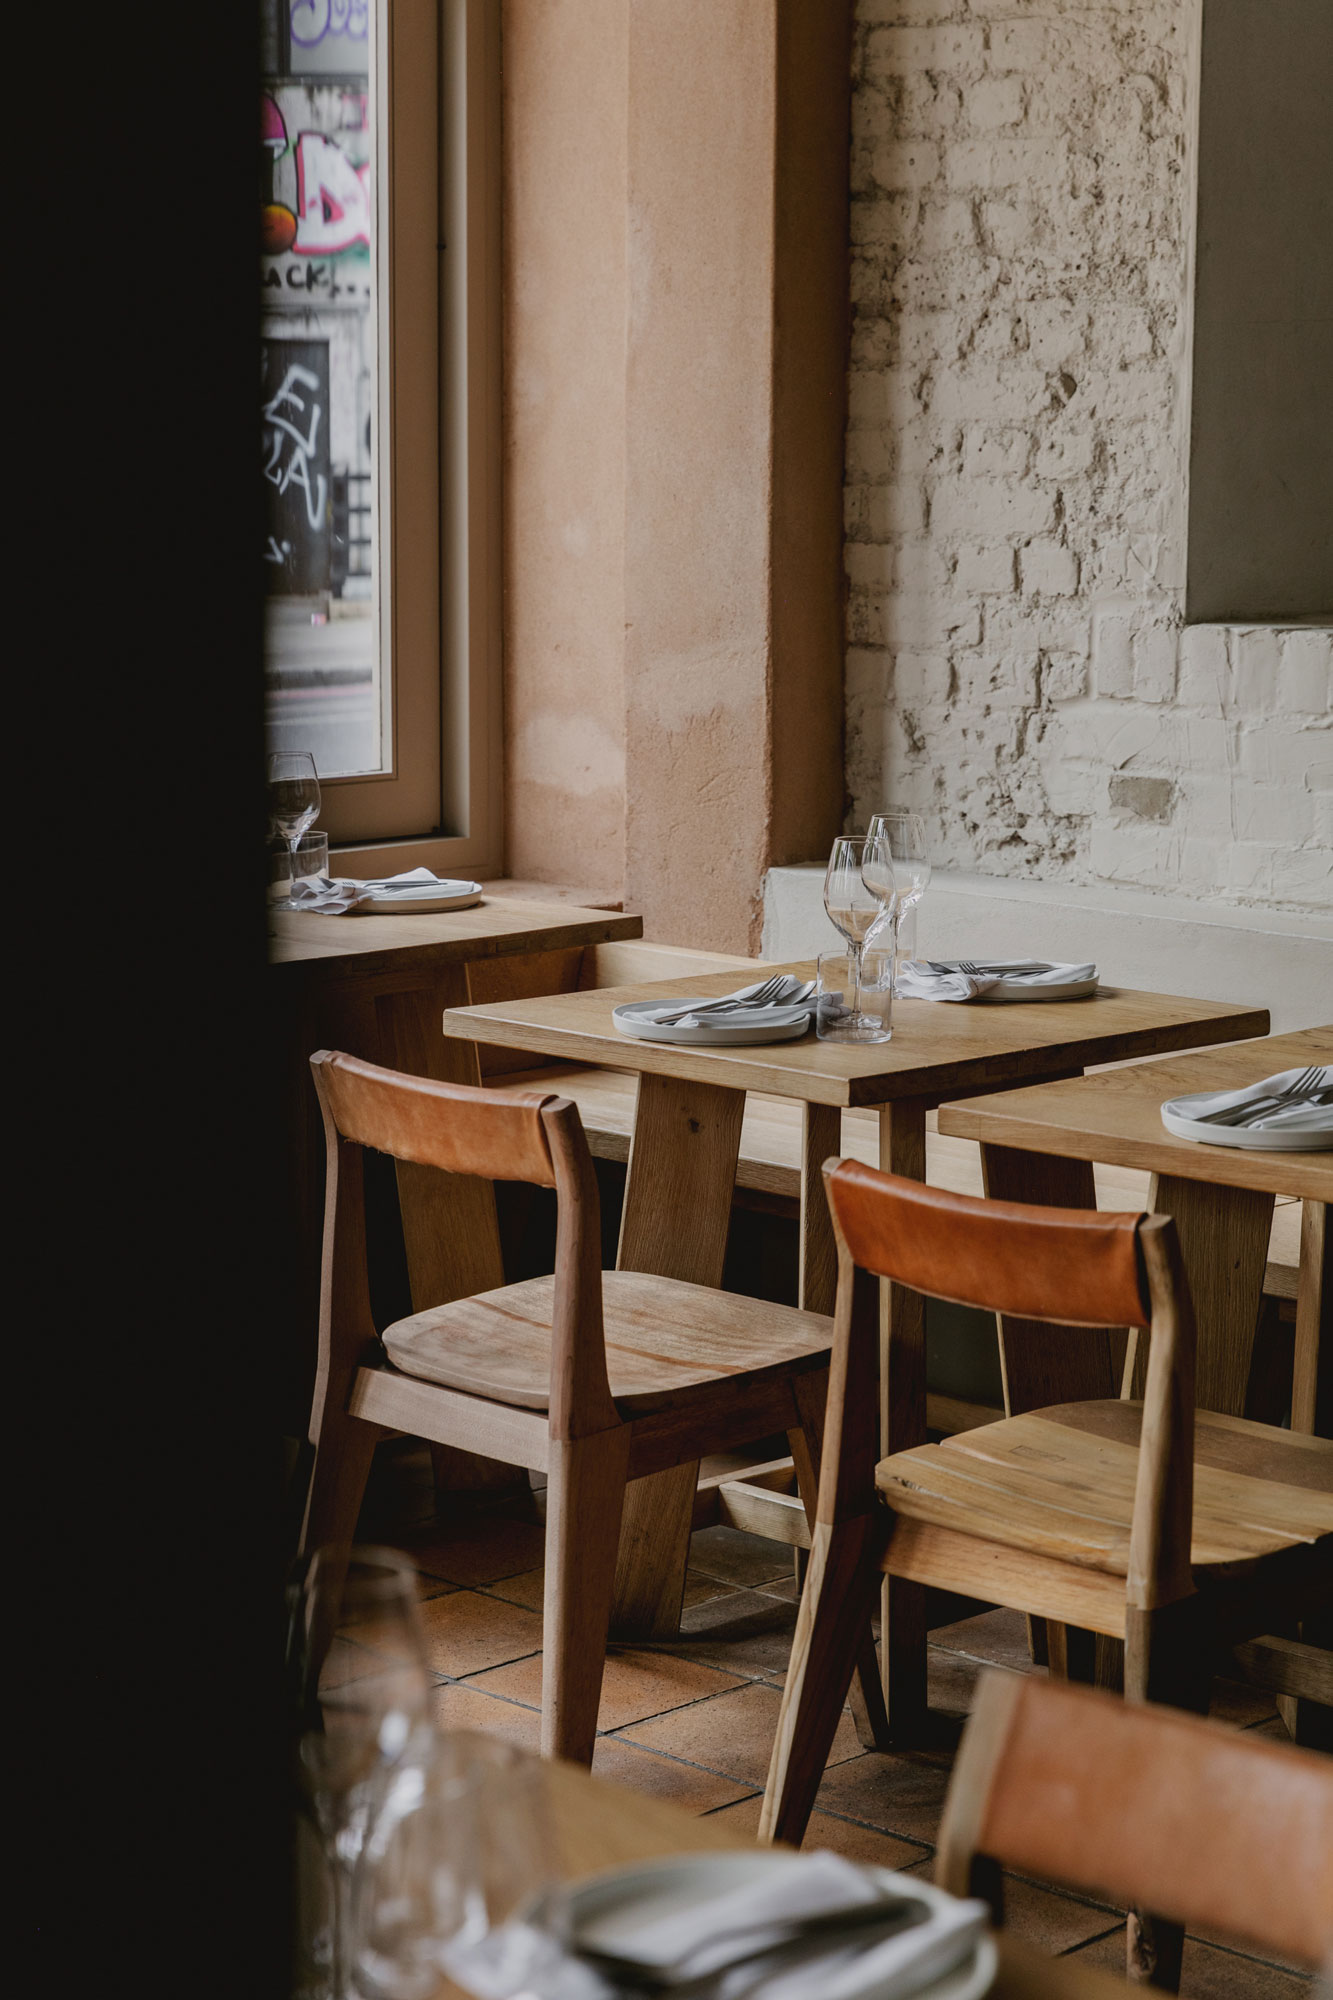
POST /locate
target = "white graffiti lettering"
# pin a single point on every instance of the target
(312, 20)
(296, 470)
(332, 198)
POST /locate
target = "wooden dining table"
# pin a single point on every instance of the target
(376, 987)
(594, 1826)
(683, 1154)
(1220, 1196)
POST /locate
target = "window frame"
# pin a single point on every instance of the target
(438, 525)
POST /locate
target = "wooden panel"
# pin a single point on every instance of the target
(495, 926)
(682, 1170)
(936, 1050)
(1224, 1234)
(818, 1272)
(622, 964)
(1116, 1116)
(1312, 1384)
(951, 1561)
(441, 1415)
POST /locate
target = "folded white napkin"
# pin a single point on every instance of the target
(722, 1937)
(331, 897)
(935, 979)
(1299, 1115)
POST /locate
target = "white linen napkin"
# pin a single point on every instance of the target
(725, 1935)
(932, 979)
(331, 897)
(1298, 1115)
(776, 1013)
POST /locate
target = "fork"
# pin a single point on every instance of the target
(761, 997)
(1241, 1114)
(892, 1913)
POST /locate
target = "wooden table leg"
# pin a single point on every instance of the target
(902, 1390)
(1312, 1376)
(821, 1139)
(1042, 1364)
(678, 1191)
(1224, 1236)
(451, 1233)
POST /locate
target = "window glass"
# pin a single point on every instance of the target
(326, 686)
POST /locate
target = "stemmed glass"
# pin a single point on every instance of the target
(858, 892)
(293, 798)
(902, 836)
(364, 1739)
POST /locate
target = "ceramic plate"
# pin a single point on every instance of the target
(607, 1907)
(786, 1024)
(1318, 1140)
(1017, 989)
(464, 895)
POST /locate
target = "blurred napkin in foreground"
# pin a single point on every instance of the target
(933, 979)
(331, 898)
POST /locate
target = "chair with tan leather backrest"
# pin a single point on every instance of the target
(595, 1377)
(1165, 1527)
(1218, 1828)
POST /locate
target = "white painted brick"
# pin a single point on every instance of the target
(869, 456)
(1000, 395)
(1283, 757)
(944, 47)
(989, 506)
(993, 103)
(917, 619)
(988, 452)
(1205, 864)
(896, 509)
(1204, 669)
(1154, 664)
(1305, 673)
(911, 163)
(1021, 45)
(1273, 812)
(870, 565)
(865, 618)
(948, 223)
(1048, 568)
(1323, 818)
(1254, 662)
(1142, 854)
(1065, 454)
(1005, 163)
(1112, 667)
(985, 568)
(1250, 869)
(1065, 677)
(1304, 878)
(1206, 801)
(919, 680)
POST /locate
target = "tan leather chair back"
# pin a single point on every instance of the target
(498, 1134)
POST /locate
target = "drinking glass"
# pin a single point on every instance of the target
(361, 1686)
(293, 796)
(465, 1885)
(858, 895)
(902, 835)
(310, 853)
(873, 1019)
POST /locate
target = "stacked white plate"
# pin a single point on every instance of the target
(766, 1024)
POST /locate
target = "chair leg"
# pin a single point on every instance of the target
(831, 1626)
(903, 1629)
(1167, 1659)
(585, 1497)
(343, 1452)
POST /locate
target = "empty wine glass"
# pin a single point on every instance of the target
(364, 1738)
(293, 797)
(902, 835)
(858, 894)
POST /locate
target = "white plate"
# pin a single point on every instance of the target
(463, 898)
(607, 1907)
(1017, 989)
(630, 1021)
(1248, 1140)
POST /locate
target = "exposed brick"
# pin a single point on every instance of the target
(1049, 569)
(983, 568)
(1112, 664)
(994, 506)
(1155, 664)
(1254, 658)
(1305, 673)
(1204, 669)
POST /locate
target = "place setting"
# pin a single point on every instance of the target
(299, 873)
(1289, 1112)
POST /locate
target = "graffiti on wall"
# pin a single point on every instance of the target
(315, 21)
(330, 212)
(295, 391)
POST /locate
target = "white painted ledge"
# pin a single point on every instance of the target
(1161, 944)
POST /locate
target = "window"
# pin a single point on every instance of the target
(379, 394)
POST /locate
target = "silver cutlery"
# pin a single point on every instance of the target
(1259, 1107)
(891, 1914)
(768, 994)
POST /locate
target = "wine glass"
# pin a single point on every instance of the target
(858, 894)
(902, 835)
(364, 1738)
(293, 798)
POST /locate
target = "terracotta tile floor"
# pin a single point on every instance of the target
(692, 1721)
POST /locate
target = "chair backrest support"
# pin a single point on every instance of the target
(1208, 1825)
(1068, 1266)
(498, 1135)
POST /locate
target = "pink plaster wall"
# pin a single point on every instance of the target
(564, 401)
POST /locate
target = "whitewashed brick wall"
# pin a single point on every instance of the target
(1022, 193)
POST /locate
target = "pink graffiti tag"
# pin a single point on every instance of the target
(296, 471)
(332, 198)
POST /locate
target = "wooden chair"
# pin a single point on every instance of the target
(1099, 1517)
(596, 1377)
(1217, 1827)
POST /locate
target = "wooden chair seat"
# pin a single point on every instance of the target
(668, 1344)
(1061, 1482)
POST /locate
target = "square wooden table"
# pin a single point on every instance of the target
(682, 1163)
(1221, 1197)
